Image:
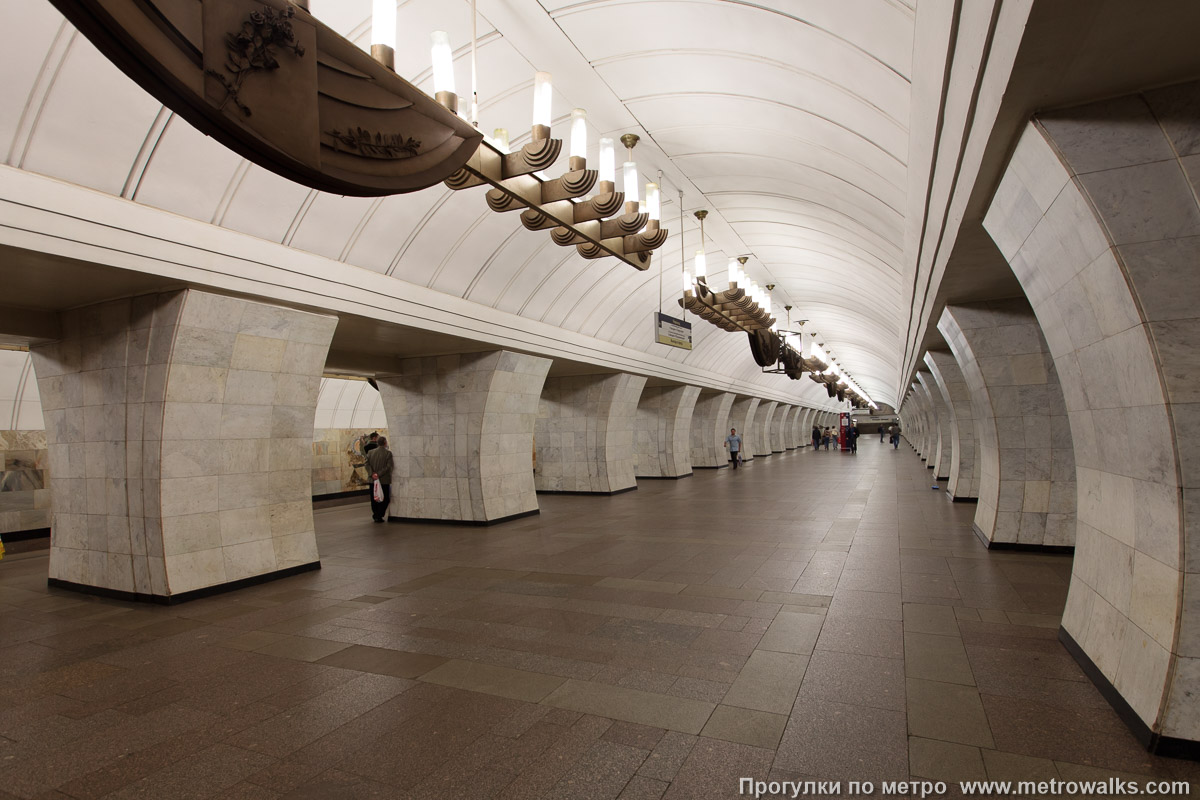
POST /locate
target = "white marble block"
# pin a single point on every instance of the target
(662, 436)
(710, 426)
(966, 461)
(184, 422)
(760, 435)
(1021, 423)
(585, 429)
(461, 432)
(742, 416)
(1097, 216)
(942, 441)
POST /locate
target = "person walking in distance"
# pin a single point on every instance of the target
(852, 438)
(816, 437)
(825, 438)
(734, 443)
(379, 464)
(895, 437)
(882, 433)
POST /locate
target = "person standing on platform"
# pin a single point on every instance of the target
(852, 437)
(379, 464)
(372, 443)
(816, 437)
(882, 432)
(734, 443)
(833, 437)
(825, 438)
(895, 438)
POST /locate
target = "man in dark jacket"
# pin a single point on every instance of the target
(379, 465)
(816, 434)
(852, 437)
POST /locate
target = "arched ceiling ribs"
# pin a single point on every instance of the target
(855, 223)
(755, 58)
(500, 248)
(732, 156)
(697, 96)
(589, 5)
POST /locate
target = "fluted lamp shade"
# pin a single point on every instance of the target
(542, 92)
(383, 23)
(608, 161)
(653, 202)
(701, 265)
(631, 181)
(443, 62)
(579, 133)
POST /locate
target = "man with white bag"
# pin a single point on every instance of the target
(379, 464)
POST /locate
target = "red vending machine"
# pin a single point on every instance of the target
(843, 430)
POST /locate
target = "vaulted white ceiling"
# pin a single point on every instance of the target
(788, 120)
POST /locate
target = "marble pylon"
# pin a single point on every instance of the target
(461, 432)
(743, 415)
(179, 430)
(1027, 475)
(965, 458)
(663, 433)
(1097, 215)
(710, 425)
(763, 422)
(585, 429)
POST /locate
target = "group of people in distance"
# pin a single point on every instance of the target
(831, 436)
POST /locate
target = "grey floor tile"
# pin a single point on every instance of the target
(855, 680)
(937, 658)
(489, 679)
(948, 712)
(745, 726)
(632, 705)
(924, 618)
(768, 682)
(792, 633)
(944, 761)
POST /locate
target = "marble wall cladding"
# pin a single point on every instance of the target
(1027, 478)
(24, 481)
(585, 429)
(761, 434)
(1097, 216)
(710, 425)
(179, 428)
(965, 458)
(929, 423)
(795, 432)
(663, 431)
(338, 464)
(462, 430)
(742, 416)
(941, 458)
(779, 423)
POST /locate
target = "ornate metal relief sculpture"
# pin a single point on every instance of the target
(271, 82)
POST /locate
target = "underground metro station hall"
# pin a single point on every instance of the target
(599, 399)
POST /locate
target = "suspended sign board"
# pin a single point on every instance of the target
(671, 331)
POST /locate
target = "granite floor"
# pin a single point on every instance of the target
(812, 616)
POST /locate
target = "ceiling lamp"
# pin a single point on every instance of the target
(733, 308)
(609, 223)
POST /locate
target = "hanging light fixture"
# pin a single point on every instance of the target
(734, 309)
(578, 139)
(442, 58)
(701, 262)
(653, 202)
(383, 33)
